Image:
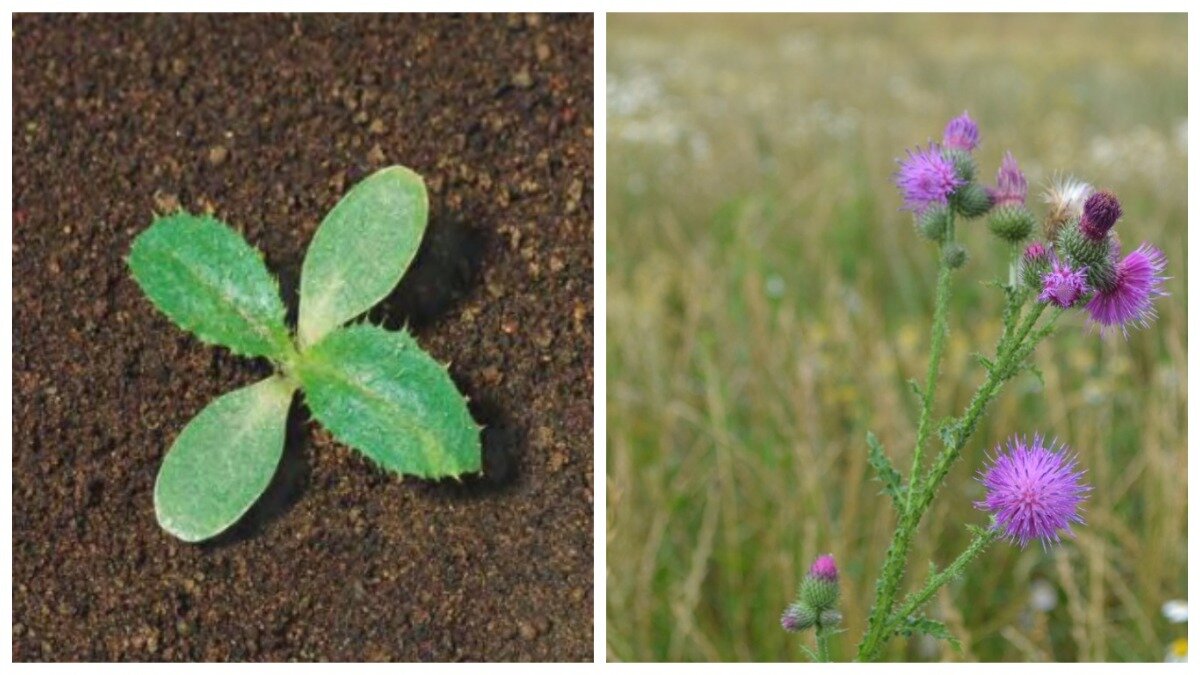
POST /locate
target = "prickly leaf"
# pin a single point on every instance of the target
(925, 626)
(892, 482)
(378, 392)
(223, 460)
(208, 280)
(361, 250)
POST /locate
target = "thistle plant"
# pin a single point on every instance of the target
(374, 389)
(1034, 489)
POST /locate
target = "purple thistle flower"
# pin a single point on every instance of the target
(926, 177)
(1100, 213)
(824, 568)
(1033, 490)
(961, 133)
(1139, 281)
(1036, 252)
(1011, 186)
(1063, 285)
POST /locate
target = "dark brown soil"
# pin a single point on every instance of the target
(267, 121)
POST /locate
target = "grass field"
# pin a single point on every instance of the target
(767, 302)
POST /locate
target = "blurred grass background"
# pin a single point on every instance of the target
(767, 302)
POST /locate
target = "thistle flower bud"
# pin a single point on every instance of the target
(1011, 186)
(1035, 264)
(964, 163)
(819, 589)
(797, 617)
(830, 618)
(1082, 252)
(1012, 223)
(971, 200)
(933, 222)
(955, 256)
(962, 133)
(1100, 213)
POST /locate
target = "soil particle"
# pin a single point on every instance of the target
(217, 155)
(266, 121)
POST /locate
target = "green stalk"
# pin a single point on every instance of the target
(822, 644)
(897, 553)
(936, 345)
(916, 600)
(1010, 353)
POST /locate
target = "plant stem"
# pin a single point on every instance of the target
(1003, 369)
(914, 601)
(936, 345)
(1010, 353)
(822, 644)
(897, 553)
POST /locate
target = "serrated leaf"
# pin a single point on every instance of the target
(948, 432)
(930, 627)
(812, 656)
(916, 389)
(223, 460)
(1035, 371)
(361, 250)
(884, 471)
(984, 361)
(977, 531)
(379, 393)
(208, 280)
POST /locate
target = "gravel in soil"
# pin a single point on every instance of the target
(267, 121)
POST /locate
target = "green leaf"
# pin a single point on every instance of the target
(223, 460)
(380, 394)
(208, 280)
(984, 361)
(924, 626)
(948, 431)
(1035, 371)
(361, 250)
(884, 471)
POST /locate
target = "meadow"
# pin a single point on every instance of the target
(768, 302)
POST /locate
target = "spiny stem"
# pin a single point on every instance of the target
(1011, 351)
(937, 344)
(1002, 370)
(897, 552)
(916, 600)
(822, 644)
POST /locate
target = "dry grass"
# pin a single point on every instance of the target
(767, 303)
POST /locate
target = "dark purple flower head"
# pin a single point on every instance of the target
(1011, 186)
(1063, 285)
(1036, 252)
(926, 177)
(961, 133)
(824, 568)
(1033, 490)
(1100, 213)
(1130, 301)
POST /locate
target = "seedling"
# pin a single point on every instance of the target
(374, 389)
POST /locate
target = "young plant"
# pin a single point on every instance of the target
(374, 389)
(1033, 488)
